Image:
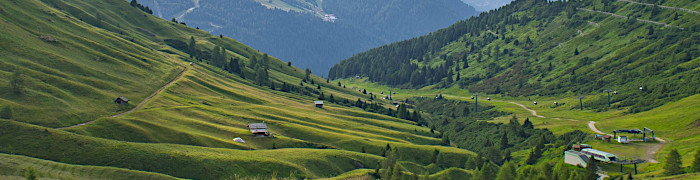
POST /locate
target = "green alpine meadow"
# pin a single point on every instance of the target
(533, 89)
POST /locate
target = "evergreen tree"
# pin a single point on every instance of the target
(507, 172)
(504, 140)
(507, 155)
(266, 61)
(488, 171)
(403, 112)
(673, 164)
(331, 98)
(591, 168)
(261, 76)
(133, 3)
(396, 174)
(321, 96)
(234, 66)
(307, 74)
(696, 161)
(192, 47)
(289, 63)
(389, 163)
(576, 52)
(527, 124)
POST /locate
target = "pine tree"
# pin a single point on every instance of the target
(403, 112)
(507, 172)
(307, 74)
(507, 155)
(591, 168)
(234, 66)
(396, 174)
(488, 171)
(266, 61)
(527, 124)
(673, 164)
(504, 140)
(133, 3)
(261, 76)
(576, 52)
(321, 96)
(192, 47)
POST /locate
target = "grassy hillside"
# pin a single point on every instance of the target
(64, 63)
(15, 167)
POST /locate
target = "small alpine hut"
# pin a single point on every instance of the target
(259, 129)
(319, 104)
(121, 100)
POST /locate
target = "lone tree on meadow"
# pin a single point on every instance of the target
(673, 164)
(307, 73)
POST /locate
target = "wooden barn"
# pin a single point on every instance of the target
(319, 104)
(121, 100)
(259, 129)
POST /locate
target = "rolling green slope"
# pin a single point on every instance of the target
(15, 167)
(64, 63)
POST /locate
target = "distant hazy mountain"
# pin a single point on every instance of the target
(485, 5)
(300, 31)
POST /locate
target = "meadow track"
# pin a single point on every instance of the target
(141, 103)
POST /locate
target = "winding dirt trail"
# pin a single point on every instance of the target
(650, 151)
(534, 113)
(141, 103)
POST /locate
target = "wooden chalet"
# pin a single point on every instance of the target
(121, 100)
(319, 104)
(258, 129)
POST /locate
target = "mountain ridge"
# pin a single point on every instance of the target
(304, 38)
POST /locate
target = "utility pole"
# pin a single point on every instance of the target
(476, 102)
(608, 91)
(580, 98)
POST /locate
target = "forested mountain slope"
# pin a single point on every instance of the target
(486, 5)
(294, 30)
(550, 48)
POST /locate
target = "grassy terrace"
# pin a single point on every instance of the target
(106, 49)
